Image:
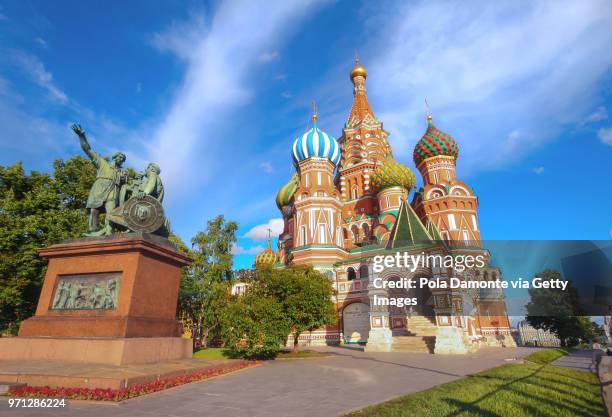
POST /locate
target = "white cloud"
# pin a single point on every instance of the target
(35, 69)
(219, 54)
(260, 232)
(280, 77)
(538, 170)
(600, 114)
(486, 67)
(286, 94)
(41, 42)
(605, 135)
(266, 167)
(239, 250)
(268, 56)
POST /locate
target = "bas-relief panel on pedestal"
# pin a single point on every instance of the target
(96, 291)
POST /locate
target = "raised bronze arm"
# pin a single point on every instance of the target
(83, 139)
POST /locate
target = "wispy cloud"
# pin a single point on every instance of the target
(538, 170)
(219, 54)
(35, 69)
(260, 232)
(266, 167)
(605, 135)
(600, 114)
(41, 42)
(268, 56)
(486, 67)
(239, 250)
(286, 94)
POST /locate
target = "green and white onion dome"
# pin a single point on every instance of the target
(392, 174)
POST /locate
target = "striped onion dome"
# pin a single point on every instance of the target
(265, 258)
(434, 143)
(392, 174)
(316, 144)
(284, 197)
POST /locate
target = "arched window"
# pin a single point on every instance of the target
(350, 274)
(366, 232)
(303, 235)
(354, 193)
(345, 232)
(355, 231)
(364, 272)
(322, 234)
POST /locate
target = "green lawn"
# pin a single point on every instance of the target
(211, 353)
(221, 353)
(516, 390)
(546, 355)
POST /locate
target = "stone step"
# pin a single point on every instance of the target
(423, 344)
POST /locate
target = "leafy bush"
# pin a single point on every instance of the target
(255, 327)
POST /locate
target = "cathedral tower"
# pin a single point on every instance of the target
(444, 200)
(364, 147)
(317, 226)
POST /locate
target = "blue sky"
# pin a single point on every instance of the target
(216, 92)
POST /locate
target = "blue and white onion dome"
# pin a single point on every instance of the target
(316, 144)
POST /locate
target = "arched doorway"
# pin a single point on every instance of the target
(356, 322)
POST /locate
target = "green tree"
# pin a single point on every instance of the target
(206, 283)
(36, 210)
(254, 326)
(305, 297)
(558, 311)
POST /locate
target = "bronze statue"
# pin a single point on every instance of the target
(104, 192)
(129, 205)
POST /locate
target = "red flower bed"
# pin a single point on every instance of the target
(108, 394)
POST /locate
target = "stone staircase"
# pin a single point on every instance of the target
(420, 335)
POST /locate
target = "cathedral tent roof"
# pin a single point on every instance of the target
(360, 109)
(408, 229)
(433, 231)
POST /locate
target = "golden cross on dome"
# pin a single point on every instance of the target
(428, 110)
(314, 111)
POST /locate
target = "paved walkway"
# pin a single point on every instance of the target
(580, 359)
(315, 387)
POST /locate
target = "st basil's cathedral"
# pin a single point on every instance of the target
(347, 202)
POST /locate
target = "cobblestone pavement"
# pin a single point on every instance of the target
(330, 386)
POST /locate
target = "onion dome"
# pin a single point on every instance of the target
(392, 174)
(284, 197)
(265, 258)
(316, 144)
(434, 143)
(358, 70)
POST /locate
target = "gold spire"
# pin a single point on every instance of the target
(314, 112)
(358, 70)
(428, 110)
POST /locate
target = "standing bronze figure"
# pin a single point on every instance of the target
(104, 193)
